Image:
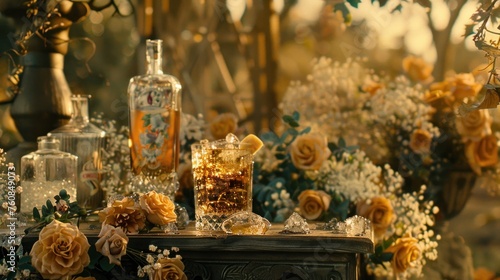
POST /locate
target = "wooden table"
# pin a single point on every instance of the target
(318, 255)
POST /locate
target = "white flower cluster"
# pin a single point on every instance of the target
(331, 101)
(192, 128)
(341, 96)
(357, 178)
(116, 155)
(152, 260)
(266, 157)
(401, 105)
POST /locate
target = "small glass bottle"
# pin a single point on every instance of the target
(85, 140)
(44, 173)
(154, 119)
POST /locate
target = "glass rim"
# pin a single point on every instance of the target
(240, 146)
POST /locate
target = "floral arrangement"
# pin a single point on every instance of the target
(62, 251)
(409, 124)
(301, 171)
(406, 121)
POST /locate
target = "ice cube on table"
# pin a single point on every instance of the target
(296, 224)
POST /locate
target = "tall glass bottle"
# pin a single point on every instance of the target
(44, 173)
(85, 140)
(154, 120)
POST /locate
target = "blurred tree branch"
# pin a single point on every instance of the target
(441, 38)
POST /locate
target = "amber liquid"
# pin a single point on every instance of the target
(154, 152)
(223, 185)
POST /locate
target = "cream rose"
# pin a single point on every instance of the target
(459, 86)
(313, 203)
(112, 243)
(417, 69)
(474, 125)
(464, 85)
(309, 151)
(160, 210)
(482, 153)
(60, 251)
(124, 214)
(222, 125)
(170, 269)
(380, 212)
(406, 251)
(420, 141)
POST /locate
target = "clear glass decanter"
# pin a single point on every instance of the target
(44, 173)
(154, 120)
(85, 140)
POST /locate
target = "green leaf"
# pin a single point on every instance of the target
(290, 121)
(355, 3)
(45, 211)
(345, 11)
(24, 260)
(36, 214)
(381, 2)
(398, 8)
(105, 265)
(305, 130)
(50, 206)
(342, 143)
(292, 132)
(94, 257)
(64, 194)
(386, 257)
(296, 116)
(24, 266)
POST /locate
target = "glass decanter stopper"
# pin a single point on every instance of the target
(154, 120)
(85, 140)
(44, 173)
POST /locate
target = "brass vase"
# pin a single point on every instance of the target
(43, 100)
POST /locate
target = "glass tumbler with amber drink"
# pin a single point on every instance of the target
(222, 173)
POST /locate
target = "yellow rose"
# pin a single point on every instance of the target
(309, 151)
(124, 214)
(160, 210)
(482, 273)
(171, 268)
(464, 85)
(380, 212)
(112, 243)
(482, 153)
(460, 86)
(420, 141)
(406, 251)
(84, 278)
(313, 203)
(417, 69)
(222, 125)
(60, 251)
(474, 126)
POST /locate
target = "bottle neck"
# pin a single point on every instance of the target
(80, 109)
(48, 143)
(154, 52)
